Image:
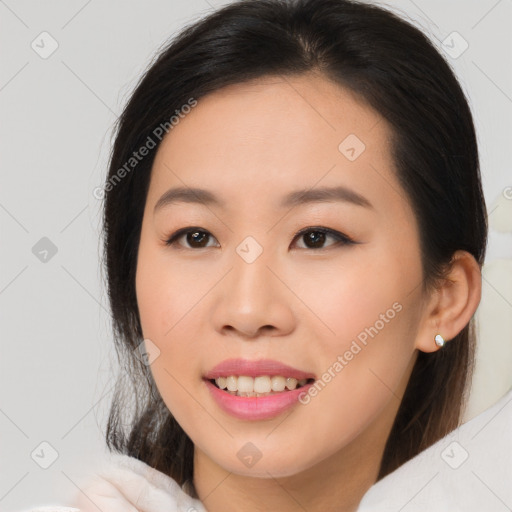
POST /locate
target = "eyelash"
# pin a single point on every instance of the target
(341, 239)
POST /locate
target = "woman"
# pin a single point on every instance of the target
(294, 233)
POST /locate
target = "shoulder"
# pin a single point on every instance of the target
(126, 483)
(121, 482)
(466, 471)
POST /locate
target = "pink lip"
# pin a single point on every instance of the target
(255, 407)
(255, 369)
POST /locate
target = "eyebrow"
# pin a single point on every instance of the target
(298, 197)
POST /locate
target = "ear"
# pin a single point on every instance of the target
(451, 306)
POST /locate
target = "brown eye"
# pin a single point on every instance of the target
(197, 237)
(315, 238)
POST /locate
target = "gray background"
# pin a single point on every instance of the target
(57, 360)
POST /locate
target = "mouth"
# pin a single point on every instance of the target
(258, 404)
(263, 385)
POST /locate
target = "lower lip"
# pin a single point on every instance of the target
(256, 407)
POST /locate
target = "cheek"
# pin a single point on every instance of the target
(370, 290)
(368, 314)
(361, 368)
(173, 306)
(167, 296)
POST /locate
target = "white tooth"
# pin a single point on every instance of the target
(221, 382)
(262, 384)
(232, 383)
(245, 384)
(291, 383)
(278, 383)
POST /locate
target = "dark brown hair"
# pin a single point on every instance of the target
(394, 68)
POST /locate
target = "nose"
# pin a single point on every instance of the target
(252, 301)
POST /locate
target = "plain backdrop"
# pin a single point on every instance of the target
(57, 360)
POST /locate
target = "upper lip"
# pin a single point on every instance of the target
(255, 369)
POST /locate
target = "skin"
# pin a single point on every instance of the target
(250, 144)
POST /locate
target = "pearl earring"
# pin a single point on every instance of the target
(439, 340)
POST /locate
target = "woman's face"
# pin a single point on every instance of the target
(242, 285)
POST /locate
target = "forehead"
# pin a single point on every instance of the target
(268, 136)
